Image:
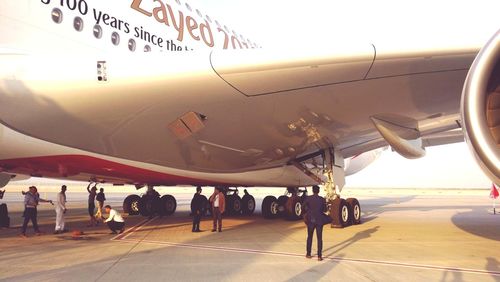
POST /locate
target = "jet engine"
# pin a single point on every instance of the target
(480, 108)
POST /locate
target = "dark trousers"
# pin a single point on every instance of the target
(30, 214)
(217, 216)
(116, 226)
(319, 236)
(196, 220)
(91, 209)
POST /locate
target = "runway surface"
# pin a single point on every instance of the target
(406, 235)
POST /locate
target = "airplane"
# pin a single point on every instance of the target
(158, 93)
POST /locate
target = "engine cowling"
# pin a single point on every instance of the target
(480, 108)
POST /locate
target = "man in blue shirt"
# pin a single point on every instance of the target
(31, 200)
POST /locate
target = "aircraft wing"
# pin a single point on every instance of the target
(215, 116)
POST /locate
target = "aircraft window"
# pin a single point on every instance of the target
(217, 23)
(226, 28)
(208, 19)
(115, 38)
(131, 44)
(78, 24)
(147, 48)
(178, 2)
(97, 31)
(57, 15)
(189, 7)
(199, 13)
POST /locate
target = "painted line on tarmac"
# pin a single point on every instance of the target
(132, 229)
(351, 260)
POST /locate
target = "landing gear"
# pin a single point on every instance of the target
(233, 202)
(270, 207)
(131, 204)
(168, 205)
(247, 203)
(289, 205)
(354, 210)
(149, 204)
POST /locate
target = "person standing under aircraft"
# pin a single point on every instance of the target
(218, 204)
(92, 194)
(115, 220)
(60, 210)
(197, 208)
(315, 218)
(100, 205)
(31, 201)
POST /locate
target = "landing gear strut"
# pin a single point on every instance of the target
(343, 212)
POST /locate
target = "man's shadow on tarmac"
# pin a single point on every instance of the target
(346, 243)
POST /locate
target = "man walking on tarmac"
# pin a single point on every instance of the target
(197, 209)
(218, 204)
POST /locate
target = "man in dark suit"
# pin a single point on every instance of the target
(196, 209)
(315, 218)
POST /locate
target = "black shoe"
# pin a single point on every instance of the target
(57, 232)
(197, 230)
(308, 256)
(114, 232)
(320, 258)
(213, 230)
(220, 230)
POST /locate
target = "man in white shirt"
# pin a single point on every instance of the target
(115, 220)
(60, 210)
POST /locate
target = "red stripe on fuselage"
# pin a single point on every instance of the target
(68, 166)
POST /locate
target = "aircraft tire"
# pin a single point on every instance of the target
(354, 210)
(248, 204)
(168, 205)
(236, 205)
(294, 208)
(340, 211)
(269, 207)
(131, 204)
(146, 205)
(282, 204)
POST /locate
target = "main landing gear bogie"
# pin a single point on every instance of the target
(344, 212)
(235, 205)
(149, 205)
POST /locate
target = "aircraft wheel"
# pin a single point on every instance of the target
(146, 205)
(282, 204)
(248, 204)
(235, 205)
(131, 204)
(340, 211)
(294, 208)
(269, 207)
(354, 210)
(168, 204)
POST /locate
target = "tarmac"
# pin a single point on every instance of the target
(406, 235)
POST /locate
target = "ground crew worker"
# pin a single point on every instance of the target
(197, 208)
(91, 207)
(218, 204)
(31, 201)
(115, 220)
(60, 210)
(100, 197)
